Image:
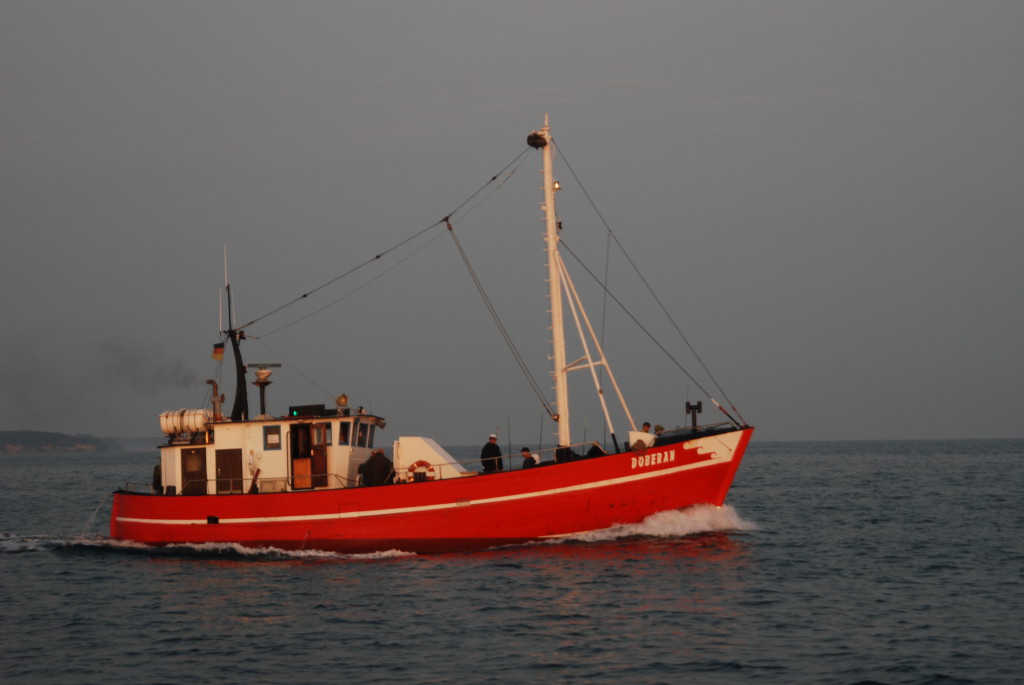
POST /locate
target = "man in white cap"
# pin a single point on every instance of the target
(490, 455)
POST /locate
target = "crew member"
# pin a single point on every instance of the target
(490, 455)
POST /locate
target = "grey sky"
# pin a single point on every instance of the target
(827, 196)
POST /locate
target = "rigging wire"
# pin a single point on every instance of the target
(351, 292)
(304, 295)
(518, 162)
(294, 368)
(501, 327)
(653, 294)
(339, 277)
(647, 332)
(604, 304)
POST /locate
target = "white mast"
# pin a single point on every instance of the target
(555, 293)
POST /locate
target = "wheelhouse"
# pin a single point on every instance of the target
(312, 448)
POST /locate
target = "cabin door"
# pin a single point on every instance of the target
(193, 471)
(318, 453)
(308, 443)
(302, 467)
(229, 472)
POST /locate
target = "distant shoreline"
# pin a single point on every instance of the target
(42, 442)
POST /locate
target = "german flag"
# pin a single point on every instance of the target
(218, 352)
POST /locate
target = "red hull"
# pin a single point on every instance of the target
(446, 515)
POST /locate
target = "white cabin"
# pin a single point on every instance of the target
(310, 449)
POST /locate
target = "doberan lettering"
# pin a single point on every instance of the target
(652, 459)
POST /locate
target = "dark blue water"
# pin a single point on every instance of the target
(848, 562)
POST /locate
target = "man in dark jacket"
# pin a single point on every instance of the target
(378, 470)
(490, 455)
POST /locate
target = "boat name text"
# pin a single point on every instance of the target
(652, 459)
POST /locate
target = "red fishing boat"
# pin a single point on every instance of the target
(317, 479)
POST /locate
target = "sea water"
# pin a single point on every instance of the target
(834, 562)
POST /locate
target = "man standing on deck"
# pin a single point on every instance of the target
(490, 455)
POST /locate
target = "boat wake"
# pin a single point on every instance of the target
(220, 551)
(703, 518)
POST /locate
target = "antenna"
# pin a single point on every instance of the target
(227, 289)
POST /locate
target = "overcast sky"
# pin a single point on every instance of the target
(827, 197)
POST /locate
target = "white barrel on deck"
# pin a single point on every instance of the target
(185, 421)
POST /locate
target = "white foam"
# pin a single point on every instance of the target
(233, 548)
(13, 545)
(703, 518)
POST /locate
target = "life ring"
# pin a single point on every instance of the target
(414, 468)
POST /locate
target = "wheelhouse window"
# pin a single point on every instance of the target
(364, 436)
(271, 437)
(344, 429)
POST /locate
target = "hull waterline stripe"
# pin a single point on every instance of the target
(445, 505)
